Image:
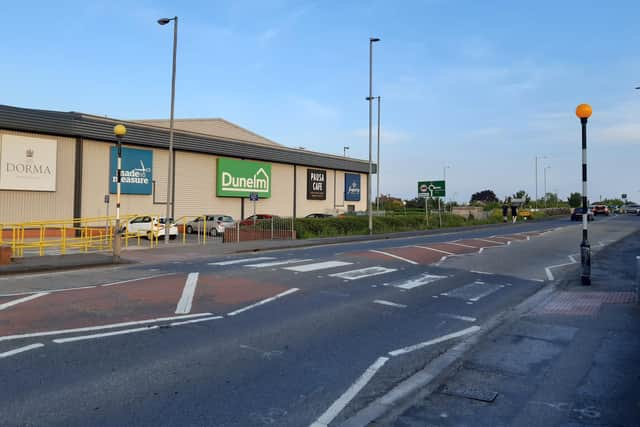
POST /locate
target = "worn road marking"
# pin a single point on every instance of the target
(264, 301)
(432, 249)
(394, 256)
(240, 261)
(136, 279)
(464, 246)
(362, 273)
(47, 291)
(318, 266)
(205, 319)
(347, 396)
(482, 272)
(547, 270)
(104, 334)
(97, 328)
(489, 291)
(424, 279)
(458, 317)
(21, 300)
(275, 263)
(489, 241)
(389, 303)
(409, 349)
(20, 350)
(184, 304)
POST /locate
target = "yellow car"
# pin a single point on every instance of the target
(525, 214)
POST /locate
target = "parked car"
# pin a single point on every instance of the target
(632, 209)
(254, 219)
(215, 224)
(600, 210)
(150, 226)
(319, 215)
(577, 213)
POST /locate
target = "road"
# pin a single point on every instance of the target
(288, 338)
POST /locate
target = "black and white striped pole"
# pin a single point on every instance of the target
(119, 131)
(583, 111)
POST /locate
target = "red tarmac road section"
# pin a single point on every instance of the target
(479, 243)
(454, 249)
(419, 255)
(134, 301)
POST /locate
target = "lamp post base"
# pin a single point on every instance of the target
(116, 243)
(585, 258)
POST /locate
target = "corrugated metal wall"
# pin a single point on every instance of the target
(22, 206)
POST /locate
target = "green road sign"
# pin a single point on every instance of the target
(431, 189)
(240, 178)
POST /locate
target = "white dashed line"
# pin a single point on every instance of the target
(422, 280)
(184, 304)
(264, 301)
(186, 322)
(409, 349)
(482, 272)
(276, 263)
(489, 241)
(20, 350)
(138, 278)
(460, 244)
(240, 261)
(105, 334)
(435, 250)
(362, 273)
(317, 266)
(458, 317)
(21, 300)
(394, 256)
(389, 303)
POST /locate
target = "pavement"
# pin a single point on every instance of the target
(571, 359)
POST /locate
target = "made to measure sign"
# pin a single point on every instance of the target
(431, 189)
(240, 178)
(136, 175)
(28, 163)
(351, 187)
(316, 184)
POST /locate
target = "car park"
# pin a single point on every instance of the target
(150, 227)
(577, 214)
(213, 224)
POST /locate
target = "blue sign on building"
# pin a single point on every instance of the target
(351, 187)
(137, 173)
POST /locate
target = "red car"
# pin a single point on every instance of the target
(256, 219)
(600, 210)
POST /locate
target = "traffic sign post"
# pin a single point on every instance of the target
(254, 198)
(429, 190)
(106, 202)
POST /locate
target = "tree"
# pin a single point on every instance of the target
(575, 200)
(485, 196)
(522, 195)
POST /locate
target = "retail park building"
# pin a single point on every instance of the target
(62, 165)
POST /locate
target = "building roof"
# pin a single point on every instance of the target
(99, 128)
(213, 127)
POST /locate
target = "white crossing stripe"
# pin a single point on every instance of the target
(184, 305)
(275, 263)
(394, 256)
(240, 261)
(363, 272)
(424, 279)
(21, 300)
(318, 266)
(389, 303)
(433, 249)
(458, 317)
(20, 350)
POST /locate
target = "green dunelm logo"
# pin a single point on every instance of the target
(239, 178)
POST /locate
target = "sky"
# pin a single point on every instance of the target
(481, 87)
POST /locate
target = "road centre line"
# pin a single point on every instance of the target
(363, 272)
(139, 278)
(205, 319)
(189, 290)
(21, 300)
(432, 249)
(276, 263)
(409, 349)
(97, 328)
(105, 334)
(394, 256)
(389, 303)
(337, 406)
(460, 244)
(317, 266)
(240, 261)
(20, 350)
(264, 301)
(458, 317)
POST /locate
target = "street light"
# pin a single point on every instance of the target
(344, 149)
(378, 161)
(538, 157)
(583, 111)
(545, 185)
(170, 196)
(372, 40)
(119, 131)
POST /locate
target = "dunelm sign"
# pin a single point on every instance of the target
(239, 178)
(136, 176)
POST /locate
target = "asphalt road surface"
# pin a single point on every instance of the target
(289, 338)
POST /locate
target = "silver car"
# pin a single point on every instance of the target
(215, 224)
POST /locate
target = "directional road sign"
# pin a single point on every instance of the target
(431, 189)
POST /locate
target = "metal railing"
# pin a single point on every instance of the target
(274, 228)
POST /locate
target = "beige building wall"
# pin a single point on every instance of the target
(95, 184)
(281, 201)
(341, 204)
(22, 206)
(304, 207)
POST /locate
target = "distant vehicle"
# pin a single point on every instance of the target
(256, 219)
(319, 215)
(215, 224)
(525, 214)
(577, 213)
(600, 209)
(614, 209)
(149, 226)
(632, 209)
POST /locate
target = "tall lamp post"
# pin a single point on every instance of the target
(583, 111)
(545, 185)
(119, 131)
(538, 157)
(170, 189)
(378, 161)
(372, 40)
